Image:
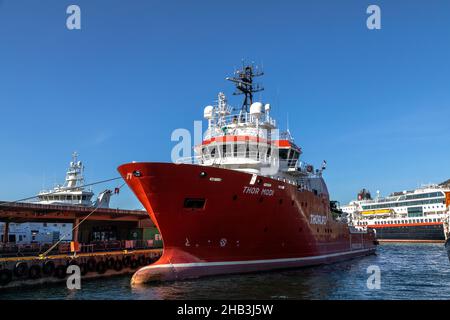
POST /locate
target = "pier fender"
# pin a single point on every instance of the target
(83, 268)
(5, 277)
(91, 264)
(118, 265)
(48, 267)
(126, 261)
(34, 272)
(60, 271)
(148, 260)
(110, 262)
(134, 264)
(101, 267)
(21, 269)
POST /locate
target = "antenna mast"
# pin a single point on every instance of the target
(243, 80)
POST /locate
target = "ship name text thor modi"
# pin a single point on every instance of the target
(415, 215)
(244, 203)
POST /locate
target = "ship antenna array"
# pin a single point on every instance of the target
(243, 80)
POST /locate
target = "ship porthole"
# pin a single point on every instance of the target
(235, 197)
(203, 174)
(280, 201)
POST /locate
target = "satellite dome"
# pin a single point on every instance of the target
(208, 112)
(267, 107)
(256, 108)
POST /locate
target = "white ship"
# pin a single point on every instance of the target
(415, 215)
(72, 193)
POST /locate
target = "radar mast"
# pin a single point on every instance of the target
(243, 80)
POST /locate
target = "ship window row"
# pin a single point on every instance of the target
(65, 198)
(424, 195)
(401, 204)
(407, 221)
(236, 150)
(402, 221)
(249, 150)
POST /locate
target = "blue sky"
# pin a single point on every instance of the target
(374, 104)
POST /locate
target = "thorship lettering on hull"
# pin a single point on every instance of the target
(246, 203)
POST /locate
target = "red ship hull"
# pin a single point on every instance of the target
(215, 221)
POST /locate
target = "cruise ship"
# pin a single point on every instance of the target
(415, 215)
(245, 203)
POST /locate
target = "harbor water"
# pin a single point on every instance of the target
(407, 271)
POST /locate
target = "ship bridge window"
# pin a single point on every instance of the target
(194, 203)
(293, 157)
(283, 154)
(224, 151)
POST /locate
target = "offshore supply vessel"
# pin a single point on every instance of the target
(413, 215)
(244, 203)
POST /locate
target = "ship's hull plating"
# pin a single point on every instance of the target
(215, 221)
(413, 233)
